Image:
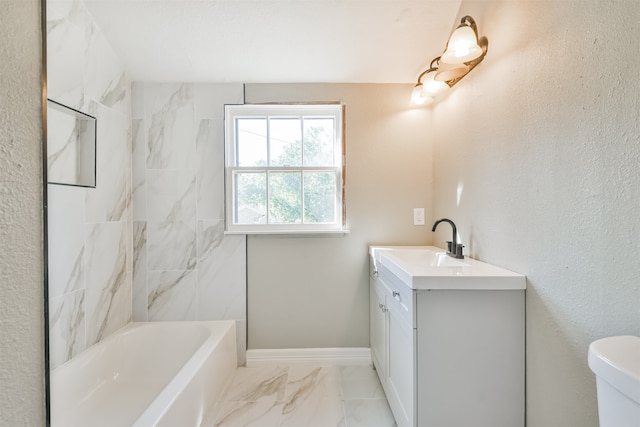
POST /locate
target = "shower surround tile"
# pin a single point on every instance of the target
(139, 172)
(106, 80)
(66, 327)
(90, 230)
(221, 273)
(222, 279)
(137, 100)
(171, 226)
(172, 295)
(109, 200)
(210, 150)
(66, 49)
(72, 10)
(171, 195)
(169, 116)
(191, 270)
(108, 294)
(140, 309)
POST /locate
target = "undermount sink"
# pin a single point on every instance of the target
(441, 259)
(429, 267)
(422, 256)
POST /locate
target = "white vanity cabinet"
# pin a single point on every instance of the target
(378, 325)
(449, 353)
(392, 347)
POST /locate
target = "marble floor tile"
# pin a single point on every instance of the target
(312, 398)
(368, 413)
(263, 413)
(302, 396)
(360, 382)
(307, 380)
(259, 383)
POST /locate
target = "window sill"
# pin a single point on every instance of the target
(309, 233)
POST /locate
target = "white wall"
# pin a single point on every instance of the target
(541, 141)
(21, 285)
(90, 250)
(306, 292)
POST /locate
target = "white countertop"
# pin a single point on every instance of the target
(429, 267)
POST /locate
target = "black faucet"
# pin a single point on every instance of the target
(454, 249)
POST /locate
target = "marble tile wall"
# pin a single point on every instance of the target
(185, 268)
(90, 246)
(147, 243)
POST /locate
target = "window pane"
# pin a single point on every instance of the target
(285, 198)
(318, 142)
(251, 198)
(320, 197)
(251, 140)
(285, 138)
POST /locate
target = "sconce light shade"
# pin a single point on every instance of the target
(416, 96)
(423, 92)
(431, 86)
(447, 72)
(462, 47)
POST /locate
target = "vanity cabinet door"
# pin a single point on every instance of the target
(378, 332)
(401, 368)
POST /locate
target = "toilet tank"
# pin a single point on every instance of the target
(616, 363)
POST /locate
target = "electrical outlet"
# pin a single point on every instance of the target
(418, 216)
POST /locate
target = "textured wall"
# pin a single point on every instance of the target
(21, 293)
(306, 292)
(184, 267)
(90, 249)
(536, 159)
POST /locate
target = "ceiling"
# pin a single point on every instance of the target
(270, 41)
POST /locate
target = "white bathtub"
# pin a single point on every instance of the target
(146, 374)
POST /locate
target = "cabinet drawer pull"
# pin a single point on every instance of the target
(396, 294)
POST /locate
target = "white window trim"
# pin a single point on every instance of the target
(284, 110)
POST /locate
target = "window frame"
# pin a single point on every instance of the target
(247, 111)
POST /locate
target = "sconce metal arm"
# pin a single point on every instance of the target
(467, 20)
(431, 68)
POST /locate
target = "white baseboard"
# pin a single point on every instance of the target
(309, 356)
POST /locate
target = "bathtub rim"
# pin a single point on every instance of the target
(164, 400)
(152, 414)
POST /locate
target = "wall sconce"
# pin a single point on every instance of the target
(463, 52)
(423, 92)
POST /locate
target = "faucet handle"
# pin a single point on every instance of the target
(458, 253)
(449, 247)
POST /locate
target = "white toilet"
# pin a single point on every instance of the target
(616, 363)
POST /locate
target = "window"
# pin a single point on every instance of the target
(284, 168)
